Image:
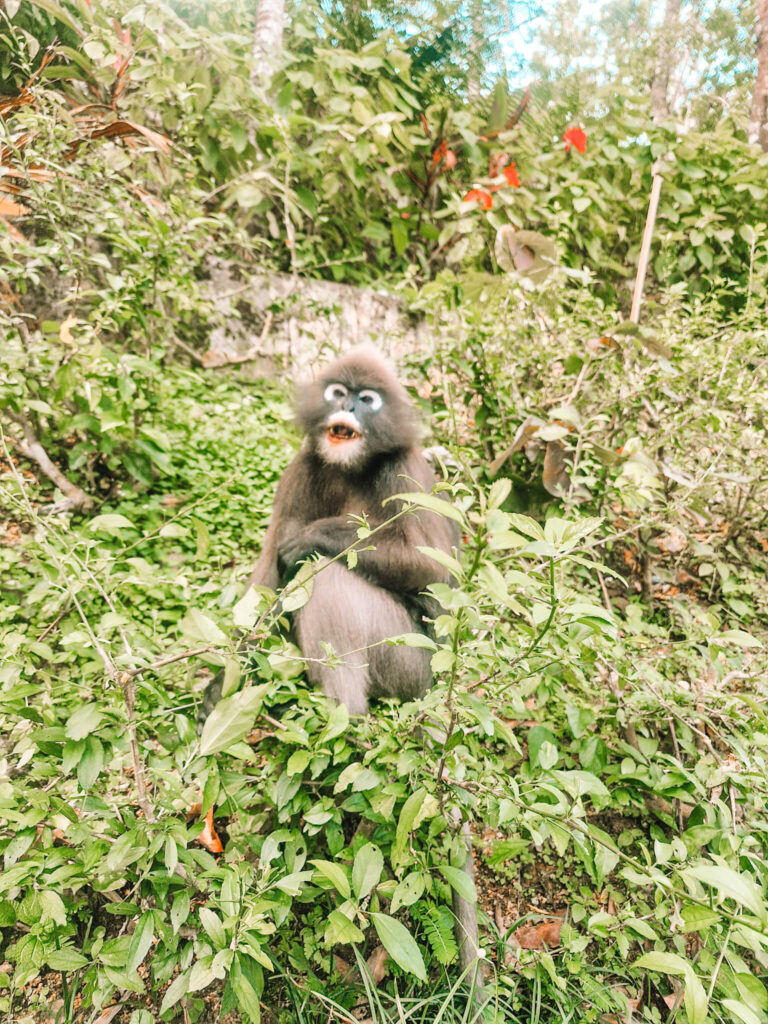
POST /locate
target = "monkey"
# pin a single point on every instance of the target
(360, 448)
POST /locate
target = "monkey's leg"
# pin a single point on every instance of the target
(351, 614)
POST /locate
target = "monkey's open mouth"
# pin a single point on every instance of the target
(338, 433)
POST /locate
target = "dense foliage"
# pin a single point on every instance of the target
(598, 715)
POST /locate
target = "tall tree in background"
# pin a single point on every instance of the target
(666, 60)
(475, 52)
(267, 38)
(757, 129)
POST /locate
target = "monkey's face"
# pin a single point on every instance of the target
(357, 412)
(349, 424)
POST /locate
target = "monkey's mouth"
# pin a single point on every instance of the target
(339, 433)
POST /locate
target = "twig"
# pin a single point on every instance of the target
(604, 589)
(128, 684)
(197, 356)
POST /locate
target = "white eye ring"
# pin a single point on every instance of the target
(371, 398)
(334, 392)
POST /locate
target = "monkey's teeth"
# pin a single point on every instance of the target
(341, 432)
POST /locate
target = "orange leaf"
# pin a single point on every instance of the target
(209, 837)
(477, 195)
(510, 173)
(575, 137)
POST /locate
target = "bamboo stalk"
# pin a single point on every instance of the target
(645, 248)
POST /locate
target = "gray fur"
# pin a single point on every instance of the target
(353, 615)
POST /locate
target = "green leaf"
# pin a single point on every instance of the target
(737, 636)
(400, 945)
(66, 959)
(338, 720)
(743, 1012)
(247, 610)
(202, 974)
(438, 927)
(293, 883)
(179, 910)
(499, 493)
(366, 869)
(335, 874)
(671, 963)
(110, 523)
(232, 719)
(698, 919)
(405, 823)
(414, 640)
(341, 930)
(141, 940)
(199, 627)
(52, 907)
(453, 565)
(95, 49)
(408, 891)
(247, 984)
(431, 502)
(84, 721)
(91, 763)
(729, 883)
(748, 233)
(399, 235)
(211, 921)
(460, 881)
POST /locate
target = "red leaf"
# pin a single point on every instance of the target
(477, 195)
(450, 159)
(510, 173)
(575, 137)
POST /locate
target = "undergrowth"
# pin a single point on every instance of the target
(597, 715)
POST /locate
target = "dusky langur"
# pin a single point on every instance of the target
(360, 448)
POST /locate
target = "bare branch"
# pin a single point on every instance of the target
(30, 447)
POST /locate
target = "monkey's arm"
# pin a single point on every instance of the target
(393, 562)
(266, 572)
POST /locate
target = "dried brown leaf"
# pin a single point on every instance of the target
(555, 476)
(537, 936)
(377, 964)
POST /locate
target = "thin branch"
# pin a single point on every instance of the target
(30, 447)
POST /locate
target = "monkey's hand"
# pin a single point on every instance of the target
(323, 537)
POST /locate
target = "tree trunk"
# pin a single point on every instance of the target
(665, 60)
(267, 39)
(475, 54)
(757, 129)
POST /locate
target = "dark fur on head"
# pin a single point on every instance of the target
(395, 427)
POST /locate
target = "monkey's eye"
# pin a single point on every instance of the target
(372, 399)
(334, 392)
